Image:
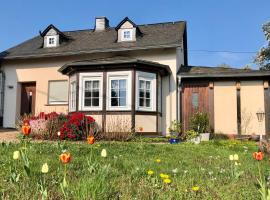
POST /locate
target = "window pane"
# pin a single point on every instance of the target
(96, 84)
(122, 93)
(141, 84)
(114, 101)
(122, 84)
(148, 85)
(195, 100)
(114, 84)
(87, 102)
(87, 94)
(95, 93)
(58, 91)
(141, 93)
(122, 101)
(114, 93)
(87, 85)
(95, 102)
(147, 102)
(147, 93)
(141, 103)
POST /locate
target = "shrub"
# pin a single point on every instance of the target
(199, 122)
(77, 126)
(191, 134)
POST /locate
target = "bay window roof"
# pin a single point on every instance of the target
(114, 62)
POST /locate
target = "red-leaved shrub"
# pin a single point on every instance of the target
(77, 126)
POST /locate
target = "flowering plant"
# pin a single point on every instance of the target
(77, 126)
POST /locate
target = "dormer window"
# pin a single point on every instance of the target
(51, 41)
(52, 37)
(127, 31)
(127, 35)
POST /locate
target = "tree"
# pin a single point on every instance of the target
(263, 56)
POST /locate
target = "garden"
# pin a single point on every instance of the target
(95, 167)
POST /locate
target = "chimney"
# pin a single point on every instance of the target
(101, 23)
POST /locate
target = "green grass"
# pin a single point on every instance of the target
(123, 173)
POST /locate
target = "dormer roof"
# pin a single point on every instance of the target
(51, 26)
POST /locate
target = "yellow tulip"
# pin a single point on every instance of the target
(16, 155)
(45, 168)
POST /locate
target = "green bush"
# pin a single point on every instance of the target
(199, 122)
(191, 134)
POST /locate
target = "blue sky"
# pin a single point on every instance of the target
(224, 25)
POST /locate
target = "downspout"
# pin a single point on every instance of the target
(2, 93)
(178, 103)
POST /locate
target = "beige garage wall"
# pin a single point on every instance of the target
(252, 100)
(41, 76)
(147, 122)
(118, 123)
(225, 107)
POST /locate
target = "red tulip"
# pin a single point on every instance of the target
(258, 156)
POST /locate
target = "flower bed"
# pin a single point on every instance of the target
(52, 126)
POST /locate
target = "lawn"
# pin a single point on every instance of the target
(123, 174)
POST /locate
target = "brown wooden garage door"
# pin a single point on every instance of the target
(195, 98)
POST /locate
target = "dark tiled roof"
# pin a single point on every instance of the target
(207, 72)
(88, 41)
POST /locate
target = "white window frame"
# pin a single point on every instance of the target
(123, 34)
(146, 77)
(49, 88)
(90, 77)
(72, 80)
(119, 76)
(48, 41)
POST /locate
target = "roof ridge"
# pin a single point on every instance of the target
(113, 27)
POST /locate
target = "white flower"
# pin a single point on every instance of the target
(231, 157)
(210, 173)
(104, 153)
(175, 170)
(185, 171)
(45, 168)
(16, 155)
(137, 168)
(235, 163)
(58, 133)
(235, 157)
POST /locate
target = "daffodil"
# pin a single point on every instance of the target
(150, 172)
(16, 155)
(45, 168)
(104, 153)
(195, 188)
(158, 160)
(167, 180)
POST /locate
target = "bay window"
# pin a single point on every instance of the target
(119, 90)
(90, 91)
(146, 91)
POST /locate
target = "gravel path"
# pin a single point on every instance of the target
(8, 135)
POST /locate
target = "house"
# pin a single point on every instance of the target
(138, 74)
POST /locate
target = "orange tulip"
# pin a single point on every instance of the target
(91, 139)
(26, 129)
(65, 158)
(258, 156)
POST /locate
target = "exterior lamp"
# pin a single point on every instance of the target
(260, 116)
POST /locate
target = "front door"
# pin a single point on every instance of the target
(28, 98)
(195, 98)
